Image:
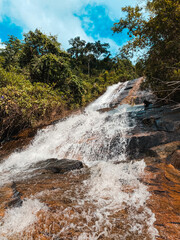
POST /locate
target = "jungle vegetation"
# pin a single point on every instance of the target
(39, 81)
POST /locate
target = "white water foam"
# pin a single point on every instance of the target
(99, 202)
(18, 219)
(91, 136)
(115, 187)
(108, 97)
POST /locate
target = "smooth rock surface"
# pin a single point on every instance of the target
(55, 165)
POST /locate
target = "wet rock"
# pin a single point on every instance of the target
(175, 159)
(133, 94)
(146, 103)
(151, 153)
(159, 192)
(152, 169)
(17, 202)
(163, 182)
(155, 126)
(158, 118)
(140, 144)
(148, 128)
(55, 165)
(166, 150)
(16, 197)
(122, 98)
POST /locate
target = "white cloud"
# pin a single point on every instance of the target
(56, 16)
(2, 46)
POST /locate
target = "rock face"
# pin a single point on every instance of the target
(175, 159)
(149, 127)
(163, 181)
(55, 165)
(154, 126)
(132, 94)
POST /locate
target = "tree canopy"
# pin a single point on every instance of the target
(156, 29)
(80, 48)
(39, 58)
(88, 54)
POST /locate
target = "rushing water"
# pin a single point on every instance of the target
(111, 188)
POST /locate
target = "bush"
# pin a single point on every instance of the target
(23, 104)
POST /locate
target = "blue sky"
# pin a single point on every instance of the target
(90, 19)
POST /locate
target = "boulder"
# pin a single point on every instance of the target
(55, 165)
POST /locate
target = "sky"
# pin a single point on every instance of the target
(92, 20)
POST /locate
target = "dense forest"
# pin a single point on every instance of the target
(39, 81)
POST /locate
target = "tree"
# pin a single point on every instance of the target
(156, 31)
(50, 68)
(100, 49)
(124, 69)
(42, 56)
(88, 54)
(77, 48)
(11, 52)
(140, 67)
(37, 44)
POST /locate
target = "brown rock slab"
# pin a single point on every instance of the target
(175, 159)
(163, 181)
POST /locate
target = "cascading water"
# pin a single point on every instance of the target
(109, 204)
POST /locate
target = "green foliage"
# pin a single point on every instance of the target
(31, 100)
(42, 56)
(11, 78)
(12, 51)
(158, 32)
(89, 56)
(2, 61)
(38, 80)
(23, 104)
(50, 68)
(121, 70)
(77, 48)
(124, 70)
(37, 44)
(140, 67)
(81, 49)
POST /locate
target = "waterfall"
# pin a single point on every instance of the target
(99, 140)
